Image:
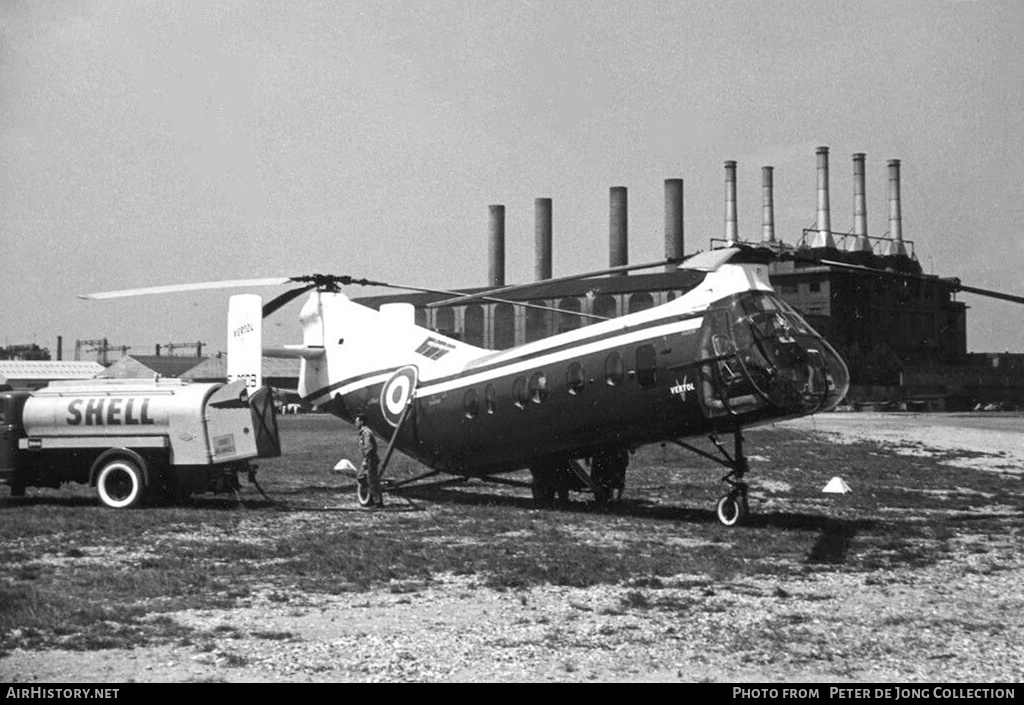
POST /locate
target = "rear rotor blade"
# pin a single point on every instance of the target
(178, 288)
(520, 287)
(332, 281)
(281, 300)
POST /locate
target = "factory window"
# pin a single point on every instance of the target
(445, 321)
(605, 305)
(537, 322)
(613, 370)
(575, 381)
(490, 399)
(640, 302)
(538, 387)
(504, 326)
(471, 404)
(789, 288)
(569, 321)
(473, 328)
(520, 392)
(814, 286)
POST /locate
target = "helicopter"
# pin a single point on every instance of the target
(726, 355)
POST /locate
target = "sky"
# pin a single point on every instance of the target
(159, 142)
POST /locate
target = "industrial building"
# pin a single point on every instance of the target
(898, 335)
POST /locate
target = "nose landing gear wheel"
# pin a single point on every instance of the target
(732, 509)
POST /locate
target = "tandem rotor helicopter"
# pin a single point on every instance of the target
(726, 355)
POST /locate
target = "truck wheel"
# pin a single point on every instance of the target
(121, 484)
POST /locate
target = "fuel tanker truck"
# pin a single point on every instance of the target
(136, 440)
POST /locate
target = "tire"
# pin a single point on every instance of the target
(731, 510)
(363, 495)
(543, 492)
(121, 483)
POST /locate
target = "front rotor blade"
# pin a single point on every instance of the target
(954, 283)
(991, 294)
(178, 288)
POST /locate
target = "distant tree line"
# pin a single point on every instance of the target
(24, 352)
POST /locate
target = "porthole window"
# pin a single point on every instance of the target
(490, 399)
(646, 366)
(574, 379)
(613, 369)
(520, 392)
(538, 387)
(471, 404)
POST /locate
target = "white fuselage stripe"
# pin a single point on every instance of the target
(516, 367)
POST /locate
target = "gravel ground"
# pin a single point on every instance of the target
(958, 621)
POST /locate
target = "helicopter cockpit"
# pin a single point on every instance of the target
(761, 355)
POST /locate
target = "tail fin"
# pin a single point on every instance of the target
(245, 340)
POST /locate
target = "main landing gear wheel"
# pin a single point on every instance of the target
(550, 481)
(608, 470)
(363, 492)
(543, 491)
(732, 509)
(121, 484)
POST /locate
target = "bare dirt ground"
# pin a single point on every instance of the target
(960, 619)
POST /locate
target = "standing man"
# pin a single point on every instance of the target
(369, 471)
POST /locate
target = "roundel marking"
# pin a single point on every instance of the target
(398, 390)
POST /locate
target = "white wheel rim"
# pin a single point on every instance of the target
(129, 472)
(732, 517)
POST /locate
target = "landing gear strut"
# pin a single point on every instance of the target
(550, 479)
(732, 507)
(608, 471)
(555, 477)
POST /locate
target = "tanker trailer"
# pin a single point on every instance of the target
(135, 440)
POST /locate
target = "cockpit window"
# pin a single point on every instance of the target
(759, 351)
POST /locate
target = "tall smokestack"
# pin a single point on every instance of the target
(542, 237)
(823, 238)
(895, 246)
(496, 247)
(767, 205)
(60, 347)
(673, 221)
(860, 243)
(731, 226)
(618, 235)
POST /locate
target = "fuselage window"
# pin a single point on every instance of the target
(538, 387)
(574, 379)
(490, 399)
(613, 369)
(646, 365)
(471, 404)
(520, 392)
